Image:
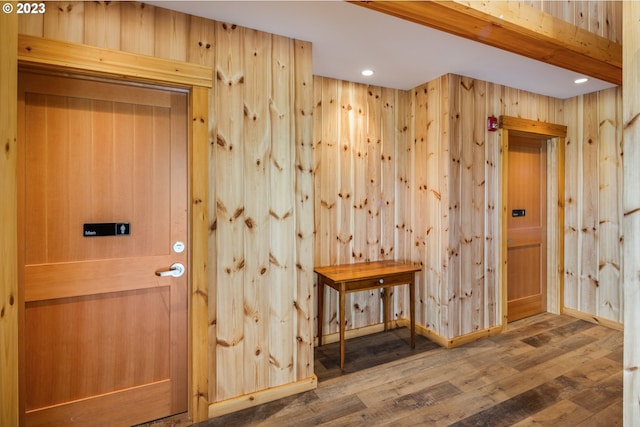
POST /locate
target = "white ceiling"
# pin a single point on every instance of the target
(347, 38)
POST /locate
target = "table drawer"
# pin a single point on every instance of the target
(379, 282)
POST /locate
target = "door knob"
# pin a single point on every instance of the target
(176, 270)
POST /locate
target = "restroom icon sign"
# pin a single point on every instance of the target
(106, 229)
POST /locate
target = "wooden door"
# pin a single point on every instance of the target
(105, 338)
(526, 226)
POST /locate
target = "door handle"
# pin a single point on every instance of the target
(176, 270)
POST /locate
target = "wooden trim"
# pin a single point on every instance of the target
(456, 341)
(504, 190)
(560, 144)
(532, 126)
(508, 26)
(474, 336)
(199, 238)
(264, 396)
(608, 323)
(99, 61)
(557, 133)
(420, 330)
(57, 56)
(10, 297)
(428, 333)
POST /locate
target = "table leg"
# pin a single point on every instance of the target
(342, 323)
(320, 308)
(412, 311)
(385, 307)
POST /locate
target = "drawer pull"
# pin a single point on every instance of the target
(381, 281)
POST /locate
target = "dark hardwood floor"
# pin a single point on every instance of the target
(546, 370)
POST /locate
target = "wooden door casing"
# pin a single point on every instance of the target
(105, 338)
(526, 235)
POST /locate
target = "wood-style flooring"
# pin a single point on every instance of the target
(546, 370)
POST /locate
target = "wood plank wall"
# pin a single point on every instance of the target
(603, 18)
(457, 197)
(9, 294)
(593, 205)
(593, 192)
(448, 185)
(428, 192)
(631, 125)
(360, 142)
(261, 187)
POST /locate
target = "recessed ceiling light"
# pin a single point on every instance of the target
(581, 80)
(367, 73)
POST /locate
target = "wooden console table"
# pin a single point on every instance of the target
(365, 276)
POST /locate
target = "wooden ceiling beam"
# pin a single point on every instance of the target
(517, 28)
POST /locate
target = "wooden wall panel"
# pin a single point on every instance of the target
(593, 205)
(471, 203)
(137, 28)
(603, 18)
(401, 228)
(229, 177)
(261, 232)
(356, 134)
(572, 204)
(64, 21)
(631, 206)
(478, 232)
(588, 231)
(610, 177)
(424, 216)
(327, 195)
(304, 301)
(255, 168)
(102, 24)
(282, 221)
(346, 120)
(171, 41)
(388, 167)
(440, 203)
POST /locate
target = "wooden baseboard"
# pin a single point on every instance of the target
(420, 330)
(258, 398)
(359, 332)
(474, 336)
(455, 341)
(593, 319)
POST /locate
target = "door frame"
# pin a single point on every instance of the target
(555, 135)
(197, 80)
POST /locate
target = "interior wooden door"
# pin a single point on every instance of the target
(526, 226)
(105, 336)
